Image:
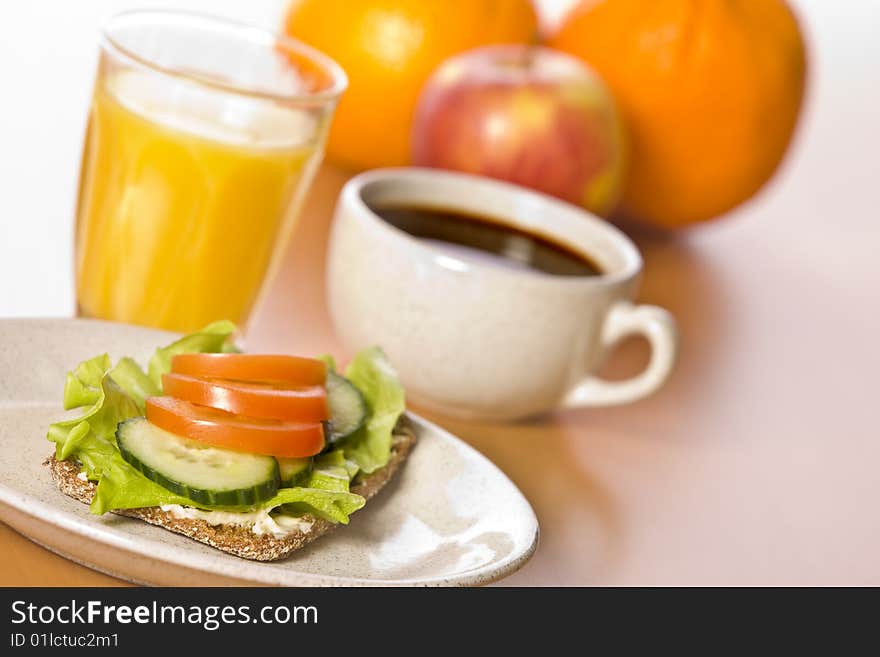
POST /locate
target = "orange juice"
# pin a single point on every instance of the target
(185, 196)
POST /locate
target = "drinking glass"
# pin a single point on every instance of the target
(203, 137)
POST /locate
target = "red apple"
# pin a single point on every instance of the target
(525, 114)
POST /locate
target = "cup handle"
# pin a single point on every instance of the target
(624, 319)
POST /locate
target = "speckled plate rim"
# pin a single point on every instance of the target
(17, 509)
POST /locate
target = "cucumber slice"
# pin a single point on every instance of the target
(205, 474)
(348, 409)
(291, 468)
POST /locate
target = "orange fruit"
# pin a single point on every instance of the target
(711, 91)
(389, 48)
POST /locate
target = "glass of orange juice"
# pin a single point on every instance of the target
(203, 137)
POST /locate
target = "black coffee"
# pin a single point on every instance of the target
(487, 240)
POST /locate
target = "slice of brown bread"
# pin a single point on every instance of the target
(235, 539)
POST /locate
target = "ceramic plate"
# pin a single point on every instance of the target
(449, 518)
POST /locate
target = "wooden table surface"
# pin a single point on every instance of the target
(758, 463)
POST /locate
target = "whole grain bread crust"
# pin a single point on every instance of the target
(237, 540)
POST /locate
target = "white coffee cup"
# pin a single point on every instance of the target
(477, 340)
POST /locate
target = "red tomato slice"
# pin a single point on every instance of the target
(278, 401)
(252, 367)
(222, 429)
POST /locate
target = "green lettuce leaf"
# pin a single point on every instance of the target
(77, 394)
(329, 473)
(329, 505)
(82, 385)
(324, 492)
(95, 429)
(211, 339)
(132, 379)
(372, 374)
(122, 487)
(329, 361)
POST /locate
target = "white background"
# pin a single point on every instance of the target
(48, 50)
